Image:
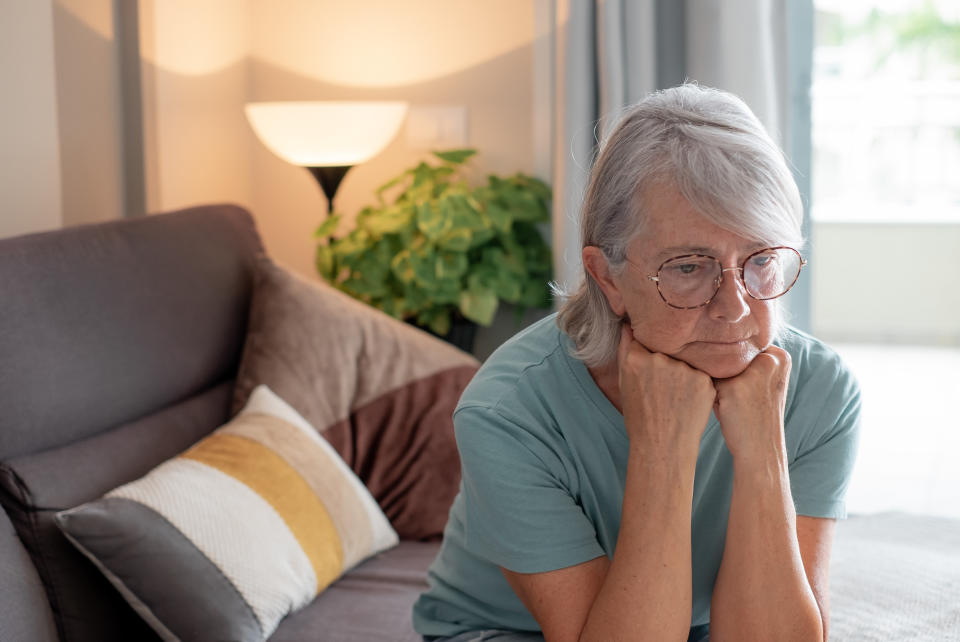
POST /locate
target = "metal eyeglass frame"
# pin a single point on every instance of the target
(719, 281)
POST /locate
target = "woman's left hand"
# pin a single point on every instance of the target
(750, 406)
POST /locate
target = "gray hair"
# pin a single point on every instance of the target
(709, 145)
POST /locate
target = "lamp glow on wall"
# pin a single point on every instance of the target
(326, 137)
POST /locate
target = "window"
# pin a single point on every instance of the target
(886, 238)
(886, 111)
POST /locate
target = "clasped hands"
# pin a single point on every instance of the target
(666, 402)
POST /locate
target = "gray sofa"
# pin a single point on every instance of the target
(119, 345)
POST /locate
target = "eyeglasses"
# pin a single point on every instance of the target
(691, 281)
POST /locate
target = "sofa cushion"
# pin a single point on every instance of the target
(34, 487)
(381, 391)
(103, 324)
(371, 603)
(227, 538)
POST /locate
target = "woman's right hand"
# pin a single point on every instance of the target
(666, 403)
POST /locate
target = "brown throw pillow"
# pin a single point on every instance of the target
(380, 391)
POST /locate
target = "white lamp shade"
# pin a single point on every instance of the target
(319, 134)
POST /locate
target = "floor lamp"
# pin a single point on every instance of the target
(326, 137)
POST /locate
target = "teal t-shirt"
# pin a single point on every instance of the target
(544, 460)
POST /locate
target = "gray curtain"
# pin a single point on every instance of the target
(610, 53)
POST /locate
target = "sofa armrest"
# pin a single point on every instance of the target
(24, 611)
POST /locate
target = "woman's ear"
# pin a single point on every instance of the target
(596, 264)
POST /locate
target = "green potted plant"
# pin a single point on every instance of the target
(442, 250)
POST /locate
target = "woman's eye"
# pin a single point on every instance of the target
(762, 261)
(686, 268)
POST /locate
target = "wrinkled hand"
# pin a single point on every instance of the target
(750, 406)
(666, 403)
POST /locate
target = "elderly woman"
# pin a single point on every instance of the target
(665, 458)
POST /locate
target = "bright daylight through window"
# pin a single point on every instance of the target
(886, 111)
(886, 238)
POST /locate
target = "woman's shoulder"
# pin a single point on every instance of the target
(808, 352)
(817, 370)
(529, 361)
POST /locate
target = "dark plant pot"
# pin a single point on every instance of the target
(463, 333)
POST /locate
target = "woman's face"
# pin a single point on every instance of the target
(720, 338)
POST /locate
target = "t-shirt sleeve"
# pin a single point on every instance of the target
(821, 472)
(519, 513)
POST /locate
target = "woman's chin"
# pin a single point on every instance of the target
(720, 363)
(724, 370)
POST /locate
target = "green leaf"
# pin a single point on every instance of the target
(536, 294)
(422, 173)
(390, 220)
(359, 284)
(364, 214)
(515, 263)
(455, 156)
(424, 268)
(481, 237)
(494, 257)
(352, 244)
(525, 206)
(462, 215)
(457, 240)
(451, 265)
(509, 288)
(442, 172)
(416, 300)
(479, 305)
(392, 306)
(324, 262)
(372, 269)
(537, 187)
(482, 277)
(383, 188)
(539, 260)
(447, 292)
(476, 199)
(328, 227)
(501, 217)
(431, 222)
(440, 322)
(402, 267)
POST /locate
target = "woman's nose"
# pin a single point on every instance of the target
(730, 302)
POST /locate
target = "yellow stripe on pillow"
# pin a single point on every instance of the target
(310, 456)
(267, 474)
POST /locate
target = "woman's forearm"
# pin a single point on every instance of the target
(647, 593)
(761, 592)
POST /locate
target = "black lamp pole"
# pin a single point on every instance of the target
(329, 178)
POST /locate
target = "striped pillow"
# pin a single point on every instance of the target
(387, 406)
(226, 539)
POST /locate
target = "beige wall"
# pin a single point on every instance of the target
(886, 283)
(432, 52)
(30, 184)
(194, 75)
(203, 61)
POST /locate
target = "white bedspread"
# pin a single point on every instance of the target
(895, 577)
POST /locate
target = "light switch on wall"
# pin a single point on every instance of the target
(437, 127)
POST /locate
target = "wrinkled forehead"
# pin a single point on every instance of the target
(672, 225)
(755, 208)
